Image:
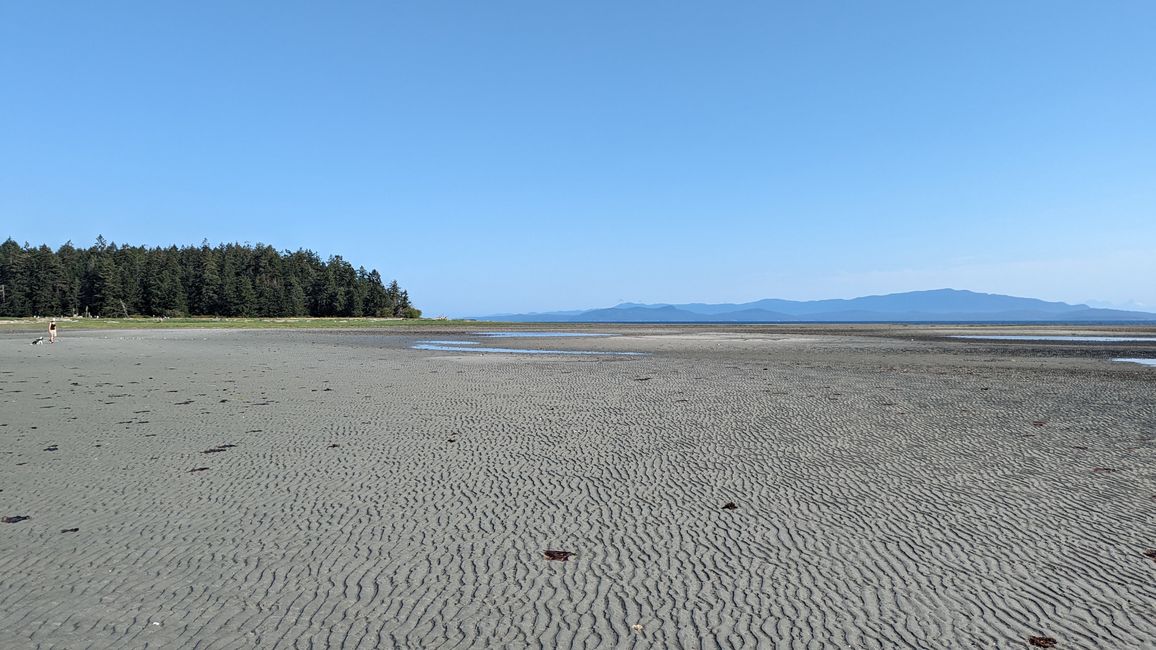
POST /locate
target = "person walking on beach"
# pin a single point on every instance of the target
(52, 331)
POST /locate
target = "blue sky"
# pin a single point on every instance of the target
(520, 156)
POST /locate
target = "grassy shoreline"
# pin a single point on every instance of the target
(905, 330)
(37, 324)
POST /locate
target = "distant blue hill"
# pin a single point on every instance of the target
(940, 305)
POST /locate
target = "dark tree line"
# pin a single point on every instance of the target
(226, 280)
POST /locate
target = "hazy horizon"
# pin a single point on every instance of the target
(1100, 304)
(517, 157)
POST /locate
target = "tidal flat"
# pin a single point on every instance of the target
(731, 486)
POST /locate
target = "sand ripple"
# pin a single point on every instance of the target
(362, 494)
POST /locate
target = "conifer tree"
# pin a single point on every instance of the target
(229, 280)
(104, 287)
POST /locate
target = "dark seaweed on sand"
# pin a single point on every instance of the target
(15, 519)
(218, 449)
(558, 556)
(1042, 641)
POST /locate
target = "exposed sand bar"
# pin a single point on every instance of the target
(894, 489)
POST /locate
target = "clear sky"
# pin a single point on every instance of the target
(524, 156)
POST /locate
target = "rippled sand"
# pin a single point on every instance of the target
(353, 492)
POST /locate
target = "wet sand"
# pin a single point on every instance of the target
(790, 487)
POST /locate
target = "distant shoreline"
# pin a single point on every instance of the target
(208, 322)
(1074, 323)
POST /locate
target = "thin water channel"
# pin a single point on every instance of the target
(473, 346)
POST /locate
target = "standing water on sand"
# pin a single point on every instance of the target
(1077, 339)
(538, 335)
(454, 346)
(434, 345)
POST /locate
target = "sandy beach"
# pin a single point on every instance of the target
(886, 488)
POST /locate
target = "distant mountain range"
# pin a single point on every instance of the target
(940, 305)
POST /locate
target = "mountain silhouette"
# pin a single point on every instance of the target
(939, 305)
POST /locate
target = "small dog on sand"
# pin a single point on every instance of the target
(38, 341)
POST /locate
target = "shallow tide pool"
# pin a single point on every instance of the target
(1146, 362)
(537, 335)
(435, 345)
(1028, 337)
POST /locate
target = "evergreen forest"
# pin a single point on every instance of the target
(107, 280)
